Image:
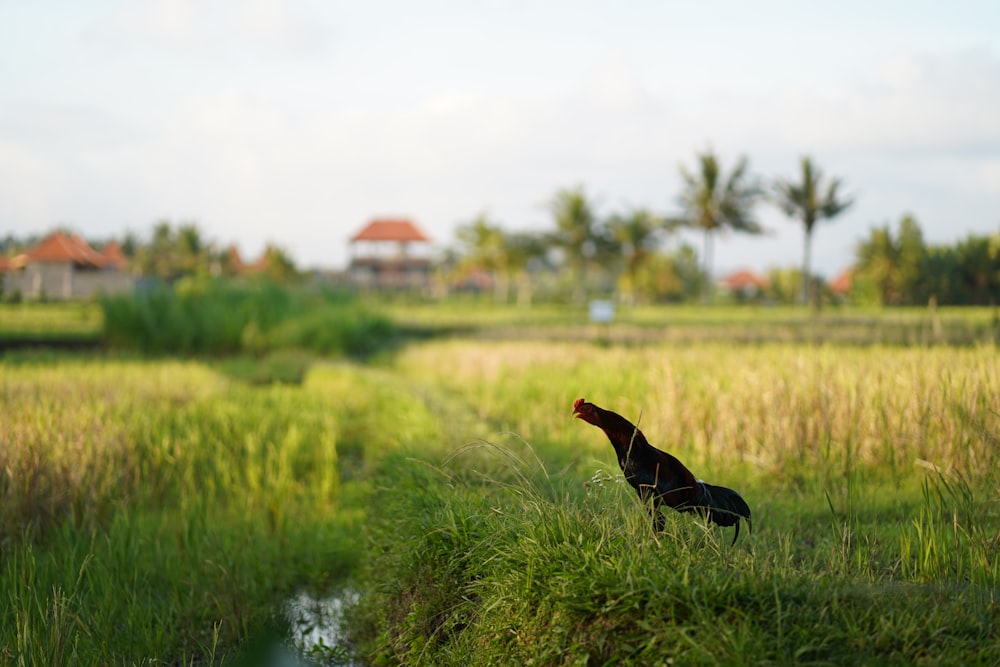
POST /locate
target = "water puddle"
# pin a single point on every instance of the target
(317, 627)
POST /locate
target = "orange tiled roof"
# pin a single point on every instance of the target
(260, 266)
(743, 279)
(390, 230)
(113, 254)
(235, 261)
(63, 247)
(237, 265)
(842, 283)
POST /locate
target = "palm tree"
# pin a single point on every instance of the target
(809, 202)
(525, 252)
(485, 247)
(577, 233)
(713, 202)
(638, 234)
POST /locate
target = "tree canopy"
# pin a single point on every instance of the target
(810, 200)
(716, 202)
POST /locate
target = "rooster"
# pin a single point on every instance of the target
(661, 478)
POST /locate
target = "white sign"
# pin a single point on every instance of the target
(602, 311)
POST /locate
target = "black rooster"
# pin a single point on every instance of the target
(661, 478)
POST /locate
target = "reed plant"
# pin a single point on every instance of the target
(224, 318)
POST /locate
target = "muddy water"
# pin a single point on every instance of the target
(317, 625)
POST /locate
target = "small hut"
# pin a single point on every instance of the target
(390, 254)
(64, 266)
(744, 284)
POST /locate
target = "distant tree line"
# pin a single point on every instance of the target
(898, 268)
(626, 254)
(173, 253)
(634, 255)
(176, 251)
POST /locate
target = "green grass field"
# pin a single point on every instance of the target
(185, 316)
(871, 474)
(163, 512)
(50, 320)
(696, 324)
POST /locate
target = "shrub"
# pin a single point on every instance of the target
(221, 318)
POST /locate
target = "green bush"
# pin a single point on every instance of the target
(352, 330)
(221, 318)
(286, 366)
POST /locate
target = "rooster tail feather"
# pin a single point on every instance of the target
(725, 507)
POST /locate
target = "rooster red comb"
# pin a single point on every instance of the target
(578, 402)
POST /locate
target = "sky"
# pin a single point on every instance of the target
(296, 123)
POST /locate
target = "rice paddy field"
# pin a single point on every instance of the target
(441, 499)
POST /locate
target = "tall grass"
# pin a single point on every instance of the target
(155, 511)
(217, 317)
(871, 474)
(744, 324)
(521, 569)
(783, 410)
(35, 321)
(160, 512)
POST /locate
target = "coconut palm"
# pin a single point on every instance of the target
(578, 234)
(485, 248)
(526, 255)
(509, 257)
(715, 202)
(638, 234)
(810, 200)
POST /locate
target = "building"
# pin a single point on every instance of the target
(114, 256)
(235, 266)
(390, 254)
(63, 267)
(744, 284)
(842, 284)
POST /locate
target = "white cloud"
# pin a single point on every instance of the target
(276, 24)
(912, 104)
(173, 24)
(183, 26)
